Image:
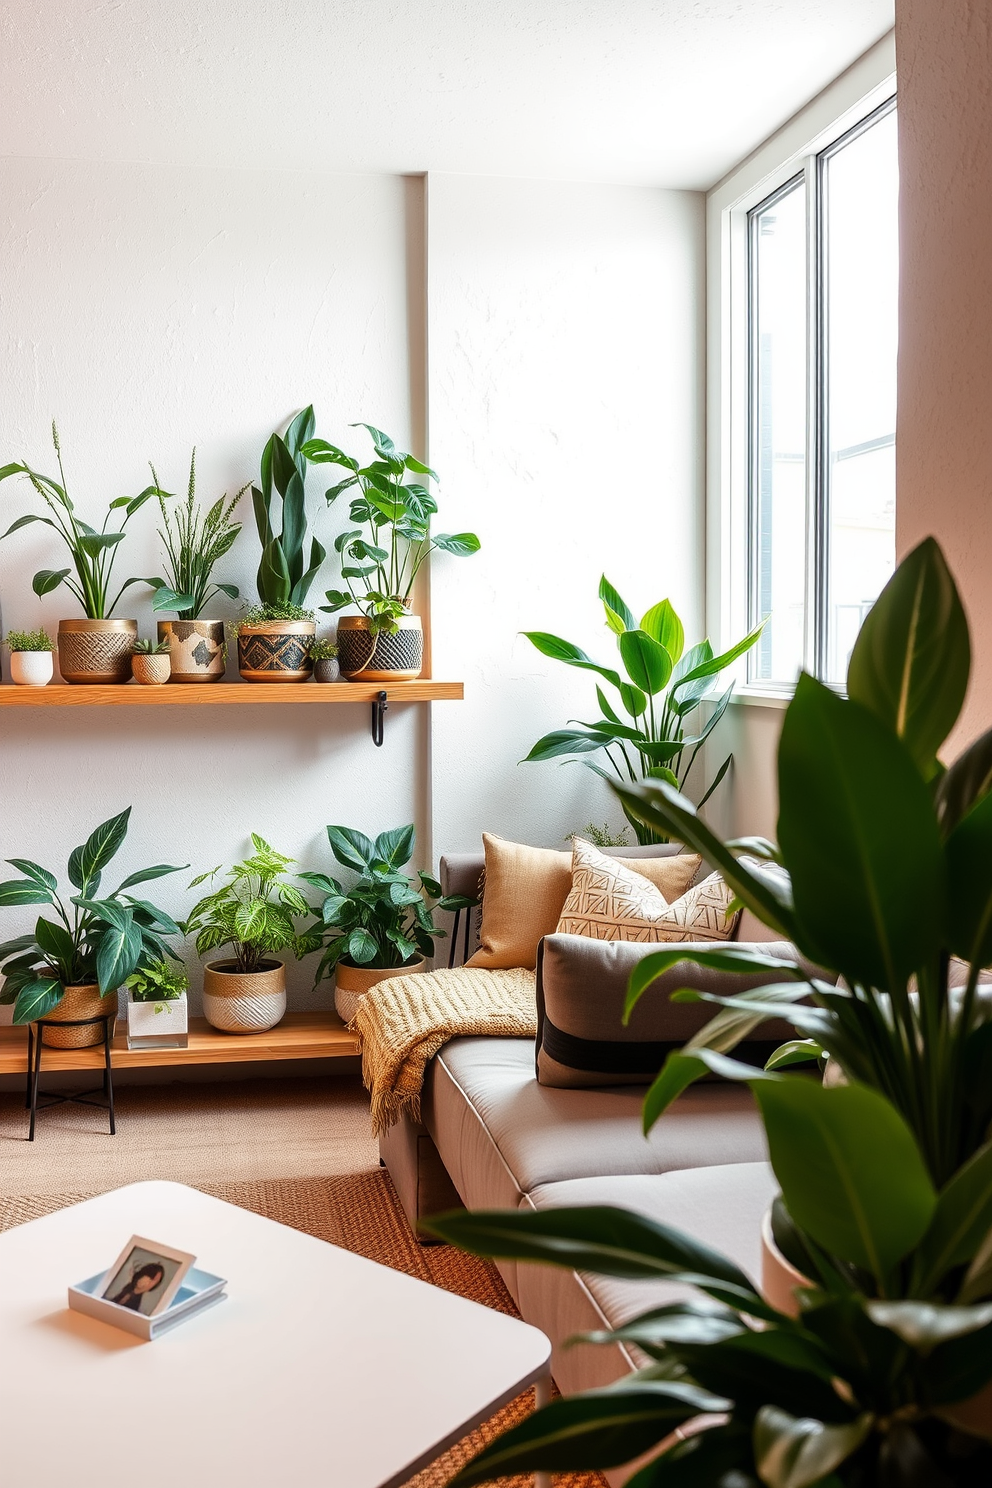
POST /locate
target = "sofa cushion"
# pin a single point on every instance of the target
(610, 900)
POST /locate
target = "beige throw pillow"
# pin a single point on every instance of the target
(526, 888)
(609, 902)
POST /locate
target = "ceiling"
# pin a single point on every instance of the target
(657, 92)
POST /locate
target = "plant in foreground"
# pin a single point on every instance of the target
(663, 686)
(284, 575)
(883, 874)
(29, 640)
(158, 981)
(386, 919)
(195, 541)
(254, 912)
(93, 940)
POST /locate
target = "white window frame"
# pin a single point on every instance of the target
(790, 152)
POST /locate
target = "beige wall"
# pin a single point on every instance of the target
(944, 432)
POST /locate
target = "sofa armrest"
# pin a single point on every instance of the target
(460, 873)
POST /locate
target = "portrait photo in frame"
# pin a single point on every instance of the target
(145, 1276)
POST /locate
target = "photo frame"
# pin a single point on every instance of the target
(145, 1276)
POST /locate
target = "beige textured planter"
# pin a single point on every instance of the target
(79, 1002)
(383, 657)
(276, 650)
(351, 981)
(32, 668)
(197, 649)
(244, 1002)
(96, 651)
(151, 670)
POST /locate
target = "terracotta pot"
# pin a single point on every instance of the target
(79, 1002)
(326, 669)
(244, 1001)
(150, 668)
(197, 649)
(350, 982)
(32, 668)
(96, 651)
(383, 657)
(275, 650)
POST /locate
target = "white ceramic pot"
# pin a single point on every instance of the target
(244, 1002)
(32, 668)
(350, 982)
(163, 1024)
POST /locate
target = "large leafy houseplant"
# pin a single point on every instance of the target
(93, 553)
(254, 911)
(661, 686)
(390, 539)
(883, 875)
(285, 574)
(386, 918)
(93, 939)
(195, 540)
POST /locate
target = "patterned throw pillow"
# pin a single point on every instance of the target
(609, 902)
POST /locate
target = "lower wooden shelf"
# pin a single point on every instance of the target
(298, 1036)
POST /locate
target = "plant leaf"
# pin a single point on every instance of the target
(791, 1452)
(33, 870)
(648, 664)
(351, 848)
(23, 891)
(663, 625)
(36, 999)
(559, 650)
(613, 602)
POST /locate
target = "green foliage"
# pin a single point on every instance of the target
(259, 614)
(159, 981)
(195, 541)
(385, 919)
(601, 836)
(254, 912)
(284, 575)
(322, 650)
(151, 647)
(390, 536)
(93, 552)
(29, 640)
(100, 940)
(662, 687)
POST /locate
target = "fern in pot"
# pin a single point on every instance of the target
(31, 663)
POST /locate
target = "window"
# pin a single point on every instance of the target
(822, 278)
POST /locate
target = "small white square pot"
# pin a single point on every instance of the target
(31, 668)
(158, 1025)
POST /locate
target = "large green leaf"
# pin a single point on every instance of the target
(559, 650)
(722, 1456)
(35, 871)
(48, 579)
(23, 891)
(857, 831)
(396, 846)
(969, 874)
(460, 543)
(274, 582)
(88, 861)
(791, 1452)
(663, 625)
(144, 875)
(964, 783)
(616, 606)
(36, 999)
(732, 958)
(851, 1172)
(648, 664)
(566, 741)
(961, 1220)
(118, 954)
(55, 942)
(687, 682)
(911, 660)
(352, 848)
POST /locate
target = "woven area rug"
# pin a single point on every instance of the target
(360, 1212)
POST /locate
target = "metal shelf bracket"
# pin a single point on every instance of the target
(379, 707)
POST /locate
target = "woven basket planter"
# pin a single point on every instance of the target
(96, 652)
(364, 657)
(197, 649)
(151, 669)
(276, 651)
(79, 1002)
(244, 1001)
(350, 982)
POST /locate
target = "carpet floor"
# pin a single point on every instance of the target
(74, 1158)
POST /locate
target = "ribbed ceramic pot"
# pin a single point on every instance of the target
(326, 669)
(244, 1001)
(96, 651)
(350, 982)
(197, 649)
(32, 668)
(364, 657)
(276, 650)
(151, 669)
(79, 1002)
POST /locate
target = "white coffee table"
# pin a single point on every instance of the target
(320, 1370)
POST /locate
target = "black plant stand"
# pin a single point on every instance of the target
(52, 1098)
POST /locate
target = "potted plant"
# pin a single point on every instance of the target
(70, 967)
(868, 1361)
(384, 924)
(273, 638)
(661, 687)
(255, 913)
(382, 553)
(157, 1009)
(96, 649)
(324, 655)
(195, 541)
(150, 662)
(31, 662)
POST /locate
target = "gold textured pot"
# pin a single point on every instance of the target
(151, 669)
(96, 651)
(244, 1001)
(364, 657)
(276, 650)
(197, 649)
(79, 1002)
(350, 982)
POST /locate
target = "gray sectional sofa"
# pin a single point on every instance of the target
(493, 1134)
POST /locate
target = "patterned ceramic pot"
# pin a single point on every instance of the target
(382, 657)
(79, 1002)
(151, 669)
(244, 1001)
(351, 981)
(96, 651)
(276, 650)
(197, 649)
(31, 668)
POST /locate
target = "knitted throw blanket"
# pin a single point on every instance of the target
(406, 1019)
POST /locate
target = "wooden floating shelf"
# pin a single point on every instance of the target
(298, 1036)
(219, 694)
